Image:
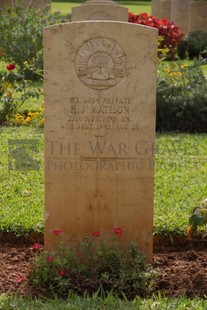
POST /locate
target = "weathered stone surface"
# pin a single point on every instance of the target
(165, 9)
(39, 4)
(198, 15)
(99, 10)
(100, 91)
(180, 13)
(156, 8)
(100, 2)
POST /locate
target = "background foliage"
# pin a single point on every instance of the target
(194, 45)
(181, 98)
(170, 33)
(21, 36)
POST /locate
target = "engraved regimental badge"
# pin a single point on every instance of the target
(100, 16)
(100, 63)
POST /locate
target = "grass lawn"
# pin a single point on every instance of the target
(133, 6)
(109, 303)
(137, 7)
(21, 192)
(180, 183)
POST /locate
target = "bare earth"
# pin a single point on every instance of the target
(183, 268)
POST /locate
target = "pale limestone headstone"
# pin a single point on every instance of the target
(198, 15)
(165, 9)
(155, 8)
(100, 90)
(180, 13)
(99, 10)
(38, 4)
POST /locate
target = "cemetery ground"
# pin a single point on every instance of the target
(180, 184)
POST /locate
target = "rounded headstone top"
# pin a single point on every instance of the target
(102, 2)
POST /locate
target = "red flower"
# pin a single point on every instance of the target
(57, 232)
(144, 15)
(118, 231)
(50, 258)
(11, 67)
(62, 273)
(170, 32)
(96, 233)
(37, 246)
(20, 279)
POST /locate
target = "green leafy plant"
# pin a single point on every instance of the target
(181, 98)
(193, 45)
(95, 264)
(21, 36)
(14, 90)
(197, 219)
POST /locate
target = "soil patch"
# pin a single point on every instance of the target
(182, 268)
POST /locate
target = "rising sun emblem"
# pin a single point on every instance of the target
(100, 63)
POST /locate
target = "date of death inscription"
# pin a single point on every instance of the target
(99, 114)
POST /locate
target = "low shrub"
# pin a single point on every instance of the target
(96, 264)
(198, 219)
(171, 34)
(21, 36)
(181, 98)
(194, 45)
(14, 91)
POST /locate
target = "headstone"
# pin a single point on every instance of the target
(99, 10)
(180, 13)
(100, 88)
(198, 15)
(155, 8)
(38, 4)
(165, 9)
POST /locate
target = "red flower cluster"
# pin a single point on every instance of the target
(50, 258)
(57, 232)
(170, 32)
(62, 273)
(11, 67)
(96, 233)
(144, 19)
(118, 231)
(37, 246)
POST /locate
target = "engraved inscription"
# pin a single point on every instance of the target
(100, 16)
(100, 63)
(95, 113)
